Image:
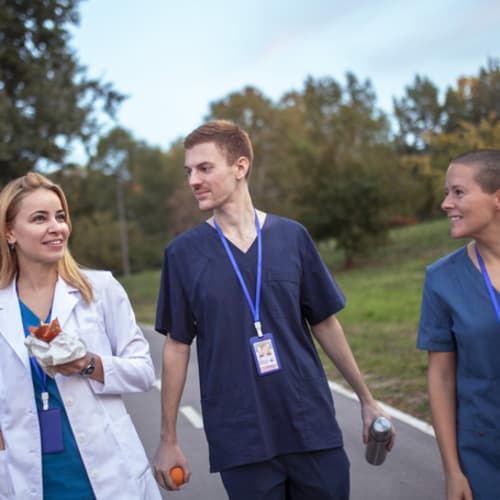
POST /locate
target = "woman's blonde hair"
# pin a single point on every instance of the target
(10, 200)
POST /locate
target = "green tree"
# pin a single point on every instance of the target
(113, 157)
(92, 204)
(348, 165)
(474, 98)
(141, 183)
(418, 113)
(46, 101)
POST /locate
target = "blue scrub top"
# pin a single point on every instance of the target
(457, 316)
(64, 475)
(247, 417)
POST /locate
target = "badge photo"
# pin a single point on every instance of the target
(265, 354)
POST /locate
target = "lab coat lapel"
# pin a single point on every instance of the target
(65, 299)
(11, 324)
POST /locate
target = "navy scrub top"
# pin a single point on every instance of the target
(247, 417)
(457, 315)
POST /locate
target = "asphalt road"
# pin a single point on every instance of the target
(412, 471)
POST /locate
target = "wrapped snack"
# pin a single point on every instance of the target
(51, 346)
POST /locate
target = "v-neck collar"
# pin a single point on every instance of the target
(249, 250)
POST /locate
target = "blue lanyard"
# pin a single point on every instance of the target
(254, 308)
(488, 283)
(41, 374)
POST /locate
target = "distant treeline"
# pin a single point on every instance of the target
(325, 154)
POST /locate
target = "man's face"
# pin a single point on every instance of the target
(211, 178)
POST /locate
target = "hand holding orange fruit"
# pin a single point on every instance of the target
(177, 475)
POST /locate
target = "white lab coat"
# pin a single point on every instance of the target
(113, 455)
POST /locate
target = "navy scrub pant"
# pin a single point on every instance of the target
(316, 475)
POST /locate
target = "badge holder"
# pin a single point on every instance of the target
(50, 427)
(265, 354)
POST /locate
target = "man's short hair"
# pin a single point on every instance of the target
(487, 166)
(232, 140)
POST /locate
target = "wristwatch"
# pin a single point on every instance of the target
(89, 369)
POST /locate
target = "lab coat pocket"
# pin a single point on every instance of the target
(131, 446)
(148, 486)
(6, 487)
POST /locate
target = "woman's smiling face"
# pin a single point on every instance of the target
(40, 230)
(472, 211)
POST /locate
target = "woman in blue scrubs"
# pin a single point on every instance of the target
(460, 327)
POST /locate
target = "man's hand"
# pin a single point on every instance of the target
(369, 412)
(168, 456)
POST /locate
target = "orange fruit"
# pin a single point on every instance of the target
(177, 475)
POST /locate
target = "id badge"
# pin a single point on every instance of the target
(265, 354)
(51, 430)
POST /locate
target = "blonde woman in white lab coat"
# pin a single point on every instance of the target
(83, 443)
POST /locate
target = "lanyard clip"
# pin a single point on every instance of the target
(258, 328)
(45, 400)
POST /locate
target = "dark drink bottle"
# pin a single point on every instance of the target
(380, 433)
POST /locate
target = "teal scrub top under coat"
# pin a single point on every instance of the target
(457, 315)
(64, 474)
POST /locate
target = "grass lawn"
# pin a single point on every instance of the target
(381, 317)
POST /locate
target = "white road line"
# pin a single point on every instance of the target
(193, 416)
(189, 412)
(403, 417)
(197, 422)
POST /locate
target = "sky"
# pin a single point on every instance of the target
(173, 58)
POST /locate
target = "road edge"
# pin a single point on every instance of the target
(393, 412)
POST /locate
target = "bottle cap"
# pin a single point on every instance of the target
(381, 424)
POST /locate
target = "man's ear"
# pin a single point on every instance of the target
(242, 164)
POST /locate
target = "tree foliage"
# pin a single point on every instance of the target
(347, 160)
(417, 113)
(432, 132)
(474, 97)
(46, 100)
(324, 154)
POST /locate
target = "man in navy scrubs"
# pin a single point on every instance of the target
(251, 287)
